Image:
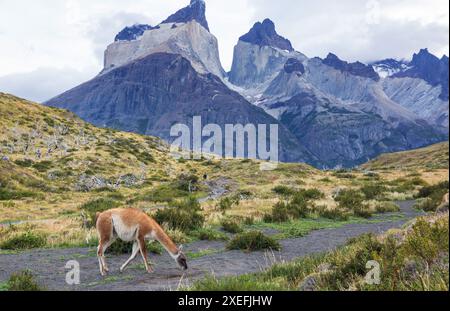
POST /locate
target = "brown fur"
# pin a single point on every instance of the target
(145, 227)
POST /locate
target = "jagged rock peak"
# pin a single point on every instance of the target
(430, 68)
(264, 34)
(356, 69)
(196, 10)
(133, 32)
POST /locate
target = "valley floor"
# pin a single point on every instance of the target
(209, 258)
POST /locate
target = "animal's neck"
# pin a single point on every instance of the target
(167, 242)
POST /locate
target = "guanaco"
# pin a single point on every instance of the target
(133, 225)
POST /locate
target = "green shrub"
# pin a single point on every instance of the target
(334, 214)
(43, 166)
(253, 241)
(7, 194)
(386, 207)
(185, 215)
(280, 213)
(311, 194)
(362, 211)
(426, 205)
(353, 200)
(231, 226)
(428, 241)
(97, 206)
(24, 163)
(206, 234)
(187, 182)
(27, 240)
(284, 191)
(227, 203)
(428, 191)
(162, 194)
(24, 282)
(373, 191)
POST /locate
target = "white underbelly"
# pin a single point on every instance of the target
(124, 232)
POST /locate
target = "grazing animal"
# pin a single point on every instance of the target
(133, 225)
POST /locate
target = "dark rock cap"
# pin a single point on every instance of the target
(196, 10)
(356, 69)
(264, 34)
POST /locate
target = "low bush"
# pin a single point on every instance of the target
(432, 196)
(353, 200)
(162, 194)
(231, 226)
(24, 163)
(187, 182)
(284, 191)
(227, 203)
(93, 207)
(386, 207)
(27, 240)
(334, 214)
(23, 282)
(297, 207)
(43, 166)
(185, 215)
(207, 234)
(7, 194)
(253, 241)
(373, 191)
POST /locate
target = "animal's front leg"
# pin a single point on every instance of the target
(143, 250)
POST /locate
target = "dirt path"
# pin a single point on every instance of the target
(49, 265)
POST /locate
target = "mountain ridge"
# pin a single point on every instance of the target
(302, 94)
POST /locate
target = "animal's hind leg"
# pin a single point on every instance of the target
(105, 232)
(133, 255)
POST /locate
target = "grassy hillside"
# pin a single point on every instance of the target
(432, 157)
(56, 171)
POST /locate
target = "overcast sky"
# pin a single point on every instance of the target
(49, 46)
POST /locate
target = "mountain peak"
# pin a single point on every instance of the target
(196, 10)
(430, 68)
(265, 34)
(130, 33)
(356, 69)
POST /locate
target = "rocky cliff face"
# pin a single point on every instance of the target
(419, 85)
(191, 40)
(151, 94)
(195, 11)
(184, 33)
(428, 67)
(330, 112)
(343, 113)
(357, 69)
(260, 55)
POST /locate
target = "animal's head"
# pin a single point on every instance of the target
(181, 259)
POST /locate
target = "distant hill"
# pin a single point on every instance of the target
(435, 156)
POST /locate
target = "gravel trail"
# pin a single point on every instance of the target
(49, 265)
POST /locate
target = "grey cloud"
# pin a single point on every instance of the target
(43, 83)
